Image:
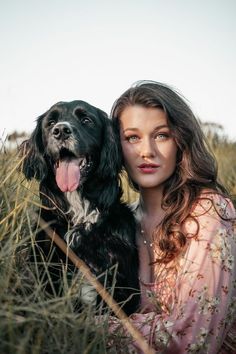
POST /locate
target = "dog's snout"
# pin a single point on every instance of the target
(62, 131)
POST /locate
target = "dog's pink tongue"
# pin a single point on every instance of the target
(68, 175)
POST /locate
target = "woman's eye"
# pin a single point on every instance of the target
(162, 136)
(132, 139)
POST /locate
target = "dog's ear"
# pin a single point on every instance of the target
(111, 157)
(32, 150)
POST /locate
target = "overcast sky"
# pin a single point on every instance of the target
(54, 50)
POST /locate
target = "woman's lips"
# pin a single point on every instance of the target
(148, 167)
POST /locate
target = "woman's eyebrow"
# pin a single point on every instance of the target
(156, 128)
(161, 126)
(133, 129)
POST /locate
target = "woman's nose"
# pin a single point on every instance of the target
(147, 148)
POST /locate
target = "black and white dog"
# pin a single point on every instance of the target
(74, 155)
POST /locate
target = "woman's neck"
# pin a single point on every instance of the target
(150, 214)
(150, 202)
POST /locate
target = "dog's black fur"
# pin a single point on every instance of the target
(91, 219)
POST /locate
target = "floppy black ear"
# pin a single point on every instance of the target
(34, 164)
(111, 157)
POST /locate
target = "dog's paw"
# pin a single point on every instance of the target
(73, 238)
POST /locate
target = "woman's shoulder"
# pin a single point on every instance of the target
(214, 203)
(212, 217)
(211, 211)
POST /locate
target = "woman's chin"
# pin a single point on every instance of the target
(148, 183)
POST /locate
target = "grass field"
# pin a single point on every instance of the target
(32, 321)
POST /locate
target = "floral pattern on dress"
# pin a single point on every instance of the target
(193, 303)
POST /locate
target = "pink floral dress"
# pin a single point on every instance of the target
(191, 306)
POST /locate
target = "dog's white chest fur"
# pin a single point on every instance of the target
(80, 210)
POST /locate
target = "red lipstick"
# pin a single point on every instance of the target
(148, 167)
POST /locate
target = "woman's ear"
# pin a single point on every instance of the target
(110, 157)
(34, 164)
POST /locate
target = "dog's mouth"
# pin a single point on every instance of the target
(70, 170)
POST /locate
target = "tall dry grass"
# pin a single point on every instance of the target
(31, 320)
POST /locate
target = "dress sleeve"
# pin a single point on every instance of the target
(204, 296)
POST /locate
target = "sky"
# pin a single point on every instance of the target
(62, 50)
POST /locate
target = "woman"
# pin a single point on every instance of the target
(185, 236)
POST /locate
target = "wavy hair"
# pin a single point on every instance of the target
(196, 168)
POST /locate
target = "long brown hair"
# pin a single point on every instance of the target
(196, 168)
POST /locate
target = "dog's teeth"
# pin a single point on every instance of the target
(82, 163)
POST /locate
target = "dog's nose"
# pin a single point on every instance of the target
(61, 131)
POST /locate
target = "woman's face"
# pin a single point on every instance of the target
(148, 147)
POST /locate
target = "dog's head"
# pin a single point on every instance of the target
(74, 141)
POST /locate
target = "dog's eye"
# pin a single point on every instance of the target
(52, 118)
(51, 123)
(82, 115)
(85, 120)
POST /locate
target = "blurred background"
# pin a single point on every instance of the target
(54, 50)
